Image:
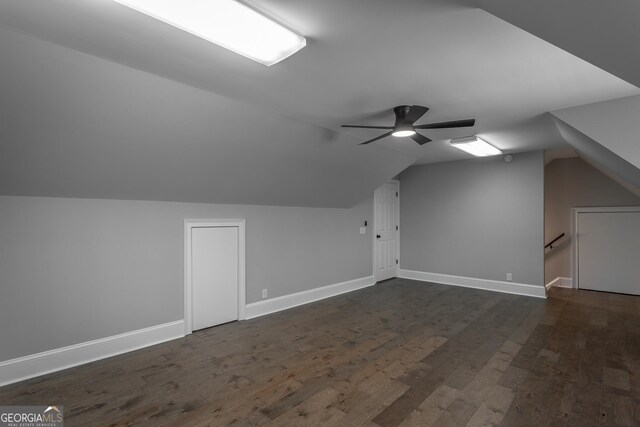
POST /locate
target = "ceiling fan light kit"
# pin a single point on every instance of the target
(475, 146)
(403, 131)
(406, 116)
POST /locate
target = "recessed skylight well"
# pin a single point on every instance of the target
(227, 23)
(475, 146)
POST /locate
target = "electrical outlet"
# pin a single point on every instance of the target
(264, 293)
(509, 277)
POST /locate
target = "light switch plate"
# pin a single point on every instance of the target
(363, 230)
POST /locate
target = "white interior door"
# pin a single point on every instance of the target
(386, 231)
(214, 272)
(608, 253)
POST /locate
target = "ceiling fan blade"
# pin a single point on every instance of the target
(375, 139)
(446, 125)
(415, 112)
(420, 139)
(367, 127)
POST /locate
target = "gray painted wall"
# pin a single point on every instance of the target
(73, 270)
(571, 183)
(478, 218)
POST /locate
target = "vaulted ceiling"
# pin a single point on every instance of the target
(102, 101)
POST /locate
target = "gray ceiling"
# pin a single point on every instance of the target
(603, 33)
(83, 126)
(79, 126)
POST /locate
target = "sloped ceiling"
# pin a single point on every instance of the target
(604, 33)
(77, 126)
(167, 116)
(614, 124)
(606, 133)
(606, 161)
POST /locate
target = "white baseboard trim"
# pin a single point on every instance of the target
(471, 282)
(262, 308)
(34, 365)
(560, 282)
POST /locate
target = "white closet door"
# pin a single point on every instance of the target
(214, 255)
(386, 221)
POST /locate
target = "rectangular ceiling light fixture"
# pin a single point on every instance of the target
(475, 146)
(228, 23)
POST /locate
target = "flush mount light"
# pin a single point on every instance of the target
(227, 23)
(475, 146)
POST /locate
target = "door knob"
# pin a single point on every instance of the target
(377, 236)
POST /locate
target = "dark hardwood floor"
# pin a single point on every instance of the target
(402, 353)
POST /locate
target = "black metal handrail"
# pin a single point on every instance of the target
(550, 244)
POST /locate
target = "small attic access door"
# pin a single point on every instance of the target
(214, 273)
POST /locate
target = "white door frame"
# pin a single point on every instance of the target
(575, 233)
(190, 224)
(375, 222)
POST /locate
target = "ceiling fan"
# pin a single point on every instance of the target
(406, 116)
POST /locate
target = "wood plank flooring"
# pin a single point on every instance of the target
(402, 353)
